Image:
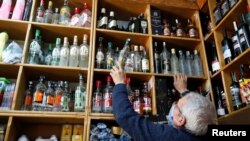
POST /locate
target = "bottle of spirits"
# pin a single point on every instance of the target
(38, 95)
(145, 62)
(56, 53)
(27, 10)
(80, 96)
(18, 10)
(198, 69)
(84, 53)
(174, 62)
(109, 57)
(227, 48)
(35, 49)
(143, 24)
(192, 30)
(147, 106)
(74, 53)
(157, 58)
(65, 14)
(189, 68)
(48, 58)
(50, 97)
(244, 33)
(112, 22)
(235, 91)
(166, 30)
(236, 41)
(137, 59)
(64, 53)
(86, 16)
(100, 55)
(179, 30)
(165, 60)
(129, 64)
(97, 98)
(116, 55)
(27, 104)
(40, 12)
(220, 109)
(131, 25)
(65, 99)
(56, 17)
(215, 62)
(75, 19)
(58, 97)
(217, 12)
(129, 90)
(103, 19)
(48, 16)
(248, 15)
(123, 54)
(137, 103)
(107, 97)
(225, 7)
(182, 62)
(232, 3)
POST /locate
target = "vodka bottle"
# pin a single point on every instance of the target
(64, 53)
(189, 64)
(198, 71)
(48, 13)
(174, 62)
(165, 60)
(74, 54)
(35, 49)
(182, 62)
(80, 96)
(97, 105)
(39, 95)
(84, 52)
(56, 53)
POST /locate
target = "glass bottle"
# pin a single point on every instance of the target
(179, 30)
(217, 12)
(137, 59)
(147, 106)
(244, 33)
(56, 17)
(97, 98)
(100, 55)
(157, 58)
(84, 52)
(48, 58)
(227, 48)
(116, 54)
(18, 10)
(64, 53)
(189, 69)
(65, 14)
(129, 90)
(220, 109)
(143, 24)
(48, 16)
(236, 41)
(50, 97)
(27, 104)
(166, 30)
(65, 99)
(35, 49)
(107, 97)
(215, 61)
(75, 19)
(56, 53)
(124, 53)
(112, 22)
(198, 68)
(103, 19)
(182, 62)
(235, 91)
(80, 96)
(86, 16)
(40, 12)
(225, 7)
(39, 95)
(145, 62)
(165, 60)
(27, 10)
(174, 62)
(58, 97)
(192, 30)
(109, 56)
(232, 3)
(74, 53)
(129, 63)
(137, 103)
(131, 25)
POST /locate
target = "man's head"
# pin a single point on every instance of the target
(195, 113)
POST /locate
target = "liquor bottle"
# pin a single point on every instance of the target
(174, 62)
(217, 12)
(75, 19)
(182, 62)
(64, 53)
(109, 57)
(225, 7)
(147, 102)
(215, 62)
(80, 96)
(27, 104)
(192, 30)
(137, 59)
(97, 98)
(5, 9)
(123, 54)
(107, 97)
(232, 3)
(179, 30)
(137, 103)
(166, 30)
(220, 109)
(100, 55)
(65, 99)
(244, 33)
(129, 90)
(103, 19)
(165, 60)
(116, 54)
(56, 53)
(18, 10)
(27, 10)
(143, 24)
(58, 97)
(40, 12)
(236, 41)
(157, 58)
(227, 48)
(112, 22)
(48, 15)
(84, 52)
(56, 17)
(86, 16)
(38, 95)
(198, 69)
(189, 68)
(145, 62)
(35, 49)
(74, 53)
(129, 64)
(235, 91)
(131, 25)
(50, 97)
(65, 14)
(48, 58)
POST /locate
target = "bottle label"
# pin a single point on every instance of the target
(179, 32)
(103, 21)
(221, 111)
(38, 96)
(64, 53)
(50, 100)
(74, 52)
(224, 7)
(107, 100)
(236, 43)
(35, 47)
(99, 56)
(74, 20)
(226, 52)
(215, 66)
(147, 104)
(235, 95)
(192, 33)
(242, 37)
(58, 98)
(136, 106)
(84, 51)
(109, 60)
(144, 24)
(28, 100)
(167, 32)
(217, 15)
(145, 64)
(97, 101)
(112, 23)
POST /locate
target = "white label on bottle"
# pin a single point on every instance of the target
(235, 41)
(107, 100)
(97, 101)
(215, 66)
(179, 32)
(64, 53)
(226, 52)
(84, 18)
(112, 24)
(74, 20)
(192, 33)
(103, 21)
(221, 111)
(99, 56)
(144, 24)
(84, 51)
(74, 52)
(166, 32)
(145, 64)
(136, 106)
(242, 37)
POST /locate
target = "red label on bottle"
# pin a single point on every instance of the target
(97, 101)
(107, 99)
(28, 100)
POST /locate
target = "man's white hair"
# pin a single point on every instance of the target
(199, 113)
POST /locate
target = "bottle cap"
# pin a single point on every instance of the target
(195, 52)
(85, 37)
(77, 10)
(103, 10)
(111, 14)
(50, 4)
(187, 53)
(109, 79)
(173, 51)
(136, 48)
(85, 6)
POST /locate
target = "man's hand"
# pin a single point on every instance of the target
(117, 74)
(180, 82)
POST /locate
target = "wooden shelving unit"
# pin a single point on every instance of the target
(37, 123)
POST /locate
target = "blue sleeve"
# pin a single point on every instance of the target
(137, 126)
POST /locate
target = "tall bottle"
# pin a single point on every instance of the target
(35, 49)
(48, 13)
(147, 106)
(189, 68)
(64, 53)
(165, 60)
(227, 48)
(107, 97)
(236, 41)
(225, 7)
(112, 22)
(84, 53)
(18, 10)
(143, 24)
(97, 102)
(215, 61)
(74, 53)
(182, 62)
(217, 12)
(174, 62)
(198, 69)
(40, 12)
(39, 95)
(244, 33)
(5, 9)
(56, 16)
(50, 97)
(157, 58)
(27, 10)
(80, 96)
(137, 59)
(235, 91)
(100, 55)
(243, 86)
(27, 104)
(109, 57)
(65, 14)
(220, 109)
(56, 53)
(58, 97)
(103, 19)
(123, 54)
(65, 99)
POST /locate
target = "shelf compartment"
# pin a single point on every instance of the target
(189, 77)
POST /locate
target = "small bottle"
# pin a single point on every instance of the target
(220, 109)
(235, 91)
(27, 104)
(39, 95)
(189, 68)
(64, 53)
(192, 30)
(97, 98)
(27, 10)
(84, 53)
(80, 96)
(56, 16)
(48, 16)
(107, 97)
(74, 53)
(40, 12)
(18, 10)
(48, 58)
(244, 33)
(100, 55)
(112, 22)
(56, 53)
(124, 53)
(131, 25)
(147, 106)
(145, 62)
(103, 19)
(174, 62)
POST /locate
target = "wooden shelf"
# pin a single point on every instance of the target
(62, 26)
(15, 21)
(54, 67)
(189, 77)
(121, 32)
(216, 74)
(44, 114)
(102, 116)
(209, 37)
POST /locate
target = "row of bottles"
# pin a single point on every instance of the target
(54, 96)
(73, 56)
(79, 18)
(167, 63)
(139, 24)
(136, 61)
(21, 10)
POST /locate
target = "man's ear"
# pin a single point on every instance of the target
(181, 120)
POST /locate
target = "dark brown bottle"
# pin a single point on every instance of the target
(236, 41)
(235, 91)
(244, 33)
(215, 62)
(112, 22)
(220, 107)
(227, 48)
(103, 19)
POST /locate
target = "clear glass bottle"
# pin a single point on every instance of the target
(147, 101)
(182, 62)
(50, 97)
(129, 90)
(107, 97)
(137, 59)
(40, 12)
(27, 104)
(35, 49)
(137, 103)
(100, 55)
(65, 99)
(124, 53)
(86, 16)
(165, 60)
(197, 65)
(97, 98)
(64, 53)
(174, 62)
(232, 3)
(109, 57)
(56, 17)
(39, 95)
(48, 58)
(189, 68)
(80, 96)
(58, 97)
(84, 53)
(75, 19)
(56, 53)
(48, 16)
(74, 53)
(65, 14)
(129, 63)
